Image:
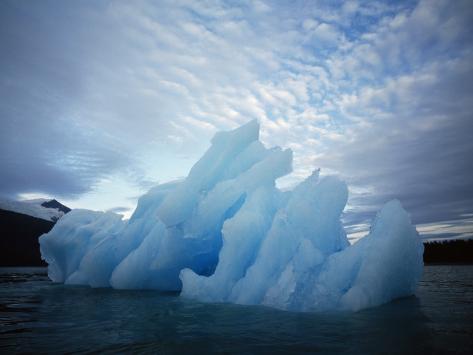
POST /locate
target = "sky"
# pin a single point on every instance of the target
(101, 100)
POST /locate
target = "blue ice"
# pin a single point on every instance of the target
(226, 233)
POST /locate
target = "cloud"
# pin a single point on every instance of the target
(42, 146)
(416, 146)
(119, 209)
(377, 92)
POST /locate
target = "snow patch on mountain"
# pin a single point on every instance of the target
(47, 209)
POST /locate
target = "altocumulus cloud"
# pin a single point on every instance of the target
(120, 94)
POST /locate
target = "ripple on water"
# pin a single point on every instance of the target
(39, 316)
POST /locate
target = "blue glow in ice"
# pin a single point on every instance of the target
(227, 234)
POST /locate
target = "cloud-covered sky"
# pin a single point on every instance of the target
(102, 99)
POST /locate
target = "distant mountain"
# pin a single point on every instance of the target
(56, 205)
(49, 210)
(21, 224)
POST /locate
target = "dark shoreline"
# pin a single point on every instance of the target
(449, 252)
(19, 245)
(461, 263)
(19, 235)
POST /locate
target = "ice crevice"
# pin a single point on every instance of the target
(226, 233)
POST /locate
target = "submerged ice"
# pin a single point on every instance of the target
(227, 234)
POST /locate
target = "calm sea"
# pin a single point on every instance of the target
(37, 316)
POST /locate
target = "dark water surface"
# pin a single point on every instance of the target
(37, 316)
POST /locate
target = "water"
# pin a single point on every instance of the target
(38, 316)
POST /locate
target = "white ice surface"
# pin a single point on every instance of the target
(227, 234)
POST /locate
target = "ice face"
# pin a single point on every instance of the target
(227, 234)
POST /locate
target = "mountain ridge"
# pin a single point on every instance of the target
(21, 224)
(47, 209)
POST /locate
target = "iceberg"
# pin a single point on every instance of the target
(226, 233)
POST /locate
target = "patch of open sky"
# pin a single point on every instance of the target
(437, 231)
(113, 79)
(453, 229)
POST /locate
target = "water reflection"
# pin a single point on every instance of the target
(36, 315)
